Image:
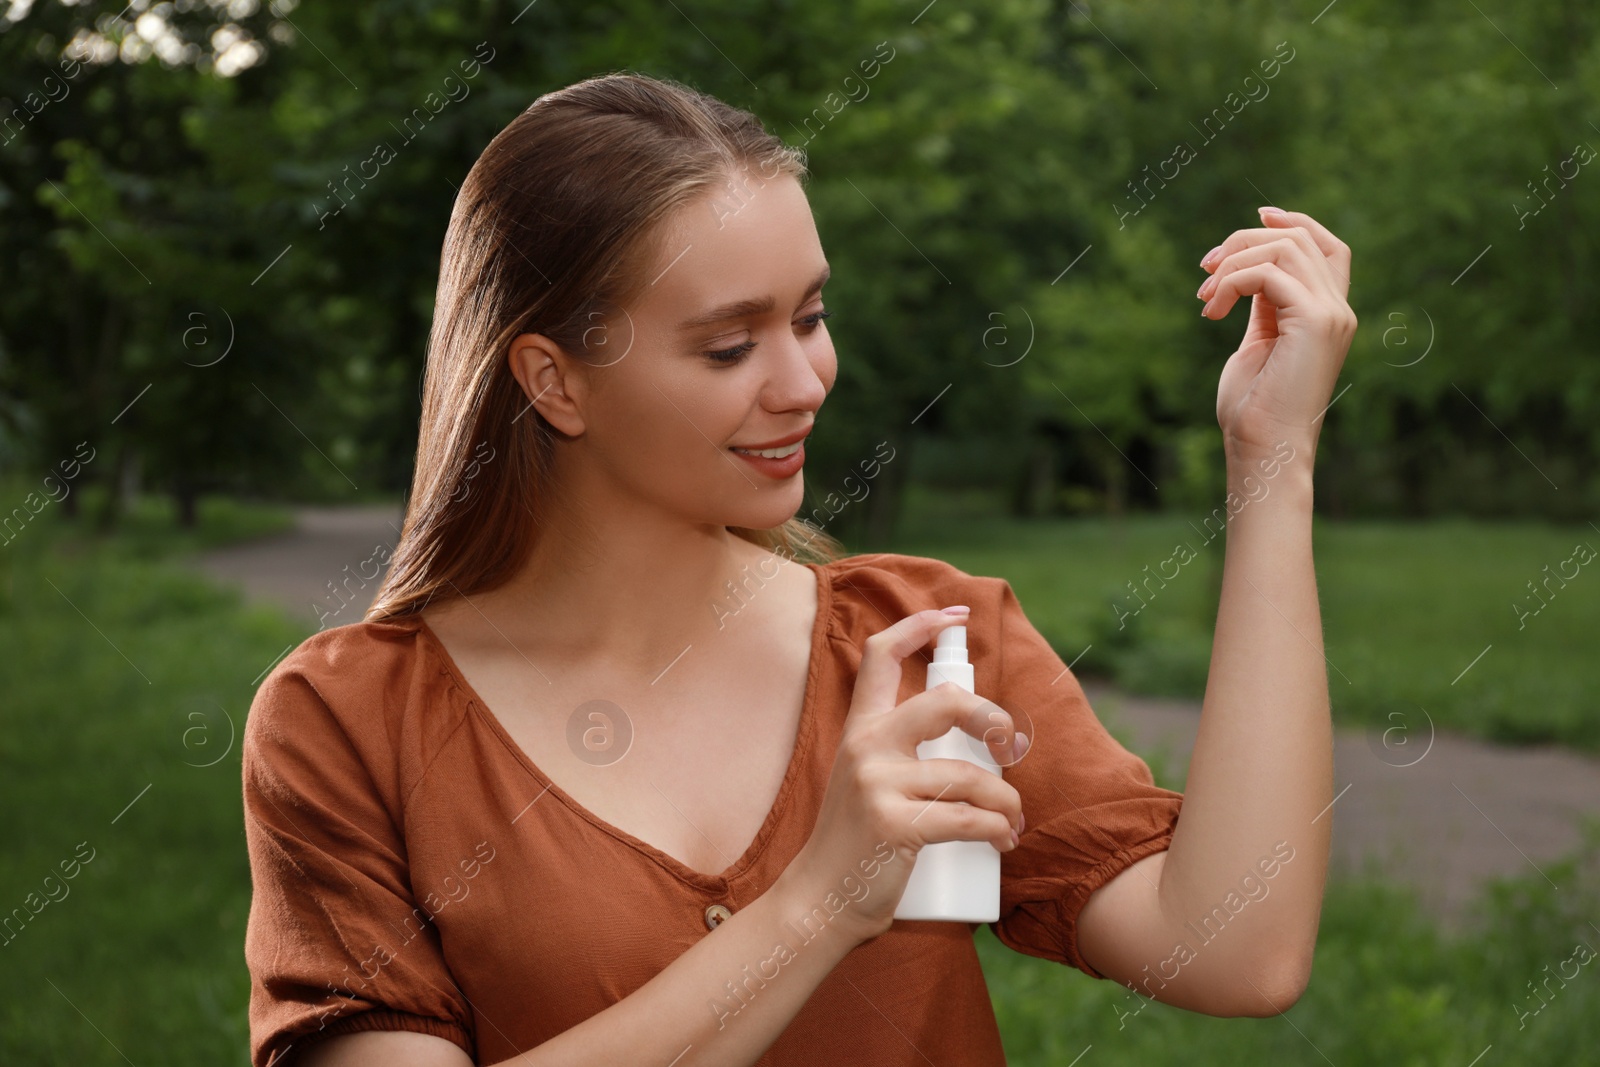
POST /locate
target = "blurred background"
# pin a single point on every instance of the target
(221, 225)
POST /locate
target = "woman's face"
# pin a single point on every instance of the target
(724, 350)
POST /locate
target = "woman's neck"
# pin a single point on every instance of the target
(634, 598)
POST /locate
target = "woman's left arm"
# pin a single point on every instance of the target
(1225, 920)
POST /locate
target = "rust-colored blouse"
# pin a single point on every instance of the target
(414, 870)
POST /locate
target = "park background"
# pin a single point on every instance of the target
(216, 299)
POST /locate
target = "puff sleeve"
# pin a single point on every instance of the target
(1093, 808)
(335, 941)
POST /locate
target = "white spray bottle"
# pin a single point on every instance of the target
(955, 881)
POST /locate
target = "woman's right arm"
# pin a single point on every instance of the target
(880, 795)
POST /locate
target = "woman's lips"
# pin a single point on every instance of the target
(786, 467)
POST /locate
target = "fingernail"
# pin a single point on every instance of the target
(1205, 309)
(1015, 840)
(959, 609)
(1206, 287)
(1270, 210)
(1021, 743)
(1022, 822)
(1205, 260)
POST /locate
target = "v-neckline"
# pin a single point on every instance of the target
(804, 735)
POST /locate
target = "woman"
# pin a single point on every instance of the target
(621, 765)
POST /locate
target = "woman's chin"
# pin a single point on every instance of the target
(772, 513)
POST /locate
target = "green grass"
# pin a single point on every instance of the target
(1407, 609)
(1386, 989)
(124, 673)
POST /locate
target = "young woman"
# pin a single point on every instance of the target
(621, 765)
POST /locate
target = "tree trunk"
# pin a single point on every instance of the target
(187, 497)
(1116, 471)
(1041, 489)
(883, 505)
(1410, 450)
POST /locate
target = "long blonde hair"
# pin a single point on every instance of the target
(553, 230)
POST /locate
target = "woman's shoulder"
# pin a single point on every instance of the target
(361, 658)
(369, 685)
(886, 586)
(897, 566)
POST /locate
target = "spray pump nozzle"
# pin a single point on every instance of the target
(951, 646)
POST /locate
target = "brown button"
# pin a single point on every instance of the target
(717, 914)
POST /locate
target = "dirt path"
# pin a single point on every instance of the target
(315, 572)
(1436, 811)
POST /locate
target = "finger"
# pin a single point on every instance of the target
(1263, 325)
(957, 780)
(1308, 266)
(931, 714)
(1278, 285)
(1239, 240)
(1337, 251)
(1333, 251)
(939, 820)
(940, 787)
(878, 679)
(1004, 737)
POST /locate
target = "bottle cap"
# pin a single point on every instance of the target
(951, 646)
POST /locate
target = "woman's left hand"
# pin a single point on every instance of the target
(1279, 382)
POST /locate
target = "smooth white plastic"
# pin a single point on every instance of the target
(954, 881)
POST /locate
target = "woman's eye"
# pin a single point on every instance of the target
(730, 355)
(738, 351)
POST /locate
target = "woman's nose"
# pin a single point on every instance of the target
(799, 377)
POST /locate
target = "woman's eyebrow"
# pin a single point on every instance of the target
(745, 308)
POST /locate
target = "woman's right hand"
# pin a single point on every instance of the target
(883, 803)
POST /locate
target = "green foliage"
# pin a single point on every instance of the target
(1406, 610)
(162, 209)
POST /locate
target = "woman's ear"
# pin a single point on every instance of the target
(551, 380)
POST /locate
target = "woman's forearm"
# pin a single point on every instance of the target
(721, 1003)
(1261, 775)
